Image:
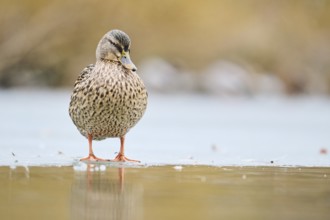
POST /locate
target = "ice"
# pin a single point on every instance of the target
(36, 130)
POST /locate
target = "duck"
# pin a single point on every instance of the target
(109, 98)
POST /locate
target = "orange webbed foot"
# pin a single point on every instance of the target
(122, 158)
(93, 158)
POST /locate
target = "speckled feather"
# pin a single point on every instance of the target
(107, 100)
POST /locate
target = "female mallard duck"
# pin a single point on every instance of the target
(109, 98)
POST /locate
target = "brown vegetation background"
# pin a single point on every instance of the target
(47, 43)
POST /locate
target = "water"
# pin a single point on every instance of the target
(165, 192)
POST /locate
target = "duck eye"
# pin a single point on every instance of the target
(116, 46)
(119, 48)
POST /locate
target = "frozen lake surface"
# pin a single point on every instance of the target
(36, 130)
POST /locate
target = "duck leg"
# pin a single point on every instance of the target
(91, 156)
(121, 156)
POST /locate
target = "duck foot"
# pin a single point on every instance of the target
(93, 158)
(121, 158)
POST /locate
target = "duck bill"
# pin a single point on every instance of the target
(127, 62)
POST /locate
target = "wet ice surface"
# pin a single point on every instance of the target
(164, 192)
(36, 130)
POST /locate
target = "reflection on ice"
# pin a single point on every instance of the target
(97, 195)
(164, 192)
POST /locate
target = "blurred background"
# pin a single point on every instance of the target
(216, 47)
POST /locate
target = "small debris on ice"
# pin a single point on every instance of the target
(323, 151)
(80, 167)
(178, 168)
(214, 148)
(103, 168)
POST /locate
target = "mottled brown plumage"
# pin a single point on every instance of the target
(109, 98)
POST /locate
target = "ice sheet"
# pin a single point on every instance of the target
(178, 129)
